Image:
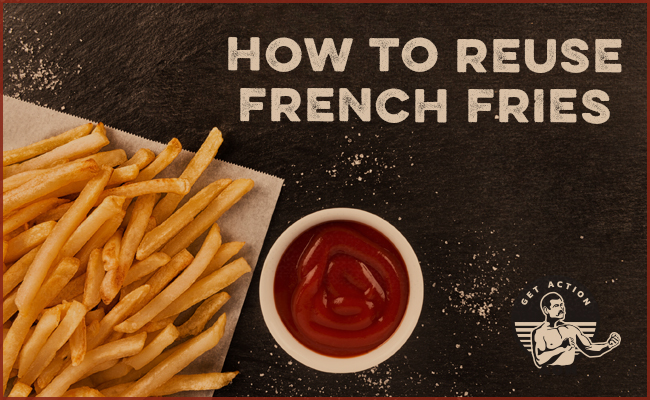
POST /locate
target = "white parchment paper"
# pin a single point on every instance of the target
(248, 220)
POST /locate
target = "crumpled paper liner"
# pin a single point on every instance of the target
(248, 220)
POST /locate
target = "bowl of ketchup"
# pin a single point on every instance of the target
(341, 290)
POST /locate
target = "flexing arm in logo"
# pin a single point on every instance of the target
(592, 350)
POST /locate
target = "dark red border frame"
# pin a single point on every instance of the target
(412, 1)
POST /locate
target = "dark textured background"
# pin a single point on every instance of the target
(487, 207)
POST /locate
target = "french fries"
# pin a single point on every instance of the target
(203, 314)
(47, 183)
(92, 283)
(60, 234)
(70, 151)
(177, 287)
(177, 360)
(153, 349)
(29, 213)
(194, 169)
(26, 241)
(20, 327)
(35, 149)
(111, 351)
(206, 287)
(59, 337)
(141, 159)
(208, 216)
(46, 325)
(172, 225)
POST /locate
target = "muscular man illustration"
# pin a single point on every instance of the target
(555, 342)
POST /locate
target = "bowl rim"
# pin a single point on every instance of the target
(319, 361)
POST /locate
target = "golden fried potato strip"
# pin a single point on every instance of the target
(180, 359)
(192, 172)
(24, 153)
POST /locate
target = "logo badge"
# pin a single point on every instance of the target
(555, 320)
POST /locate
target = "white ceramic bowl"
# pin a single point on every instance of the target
(319, 361)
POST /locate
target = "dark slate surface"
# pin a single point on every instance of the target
(487, 207)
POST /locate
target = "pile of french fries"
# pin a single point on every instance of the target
(96, 268)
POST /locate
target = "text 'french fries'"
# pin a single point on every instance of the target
(96, 268)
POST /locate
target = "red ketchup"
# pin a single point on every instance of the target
(341, 288)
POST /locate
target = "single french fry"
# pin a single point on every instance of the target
(135, 189)
(115, 372)
(60, 234)
(111, 158)
(27, 338)
(15, 274)
(141, 158)
(161, 161)
(83, 391)
(145, 267)
(28, 240)
(73, 289)
(150, 225)
(178, 360)
(9, 307)
(73, 318)
(111, 351)
(24, 153)
(99, 239)
(72, 150)
(26, 317)
(136, 374)
(49, 373)
(206, 287)
(202, 315)
(28, 213)
(55, 214)
(120, 312)
(110, 287)
(46, 325)
(114, 336)
(119, 175)
(161, 234)
(124, 174)
(154, 348)
(94, 277)
(181, 383)
(192, 172)
(177, 287)
(109, 208)
(230, 195)
(46, 183)
(126, 289)
(164, 275)
(225, 253)
(20, 390)
(78, 344)
(111, 251)
(16, 180)
(155, 326)
(115, 391)
(133, 234)
(101, 367)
